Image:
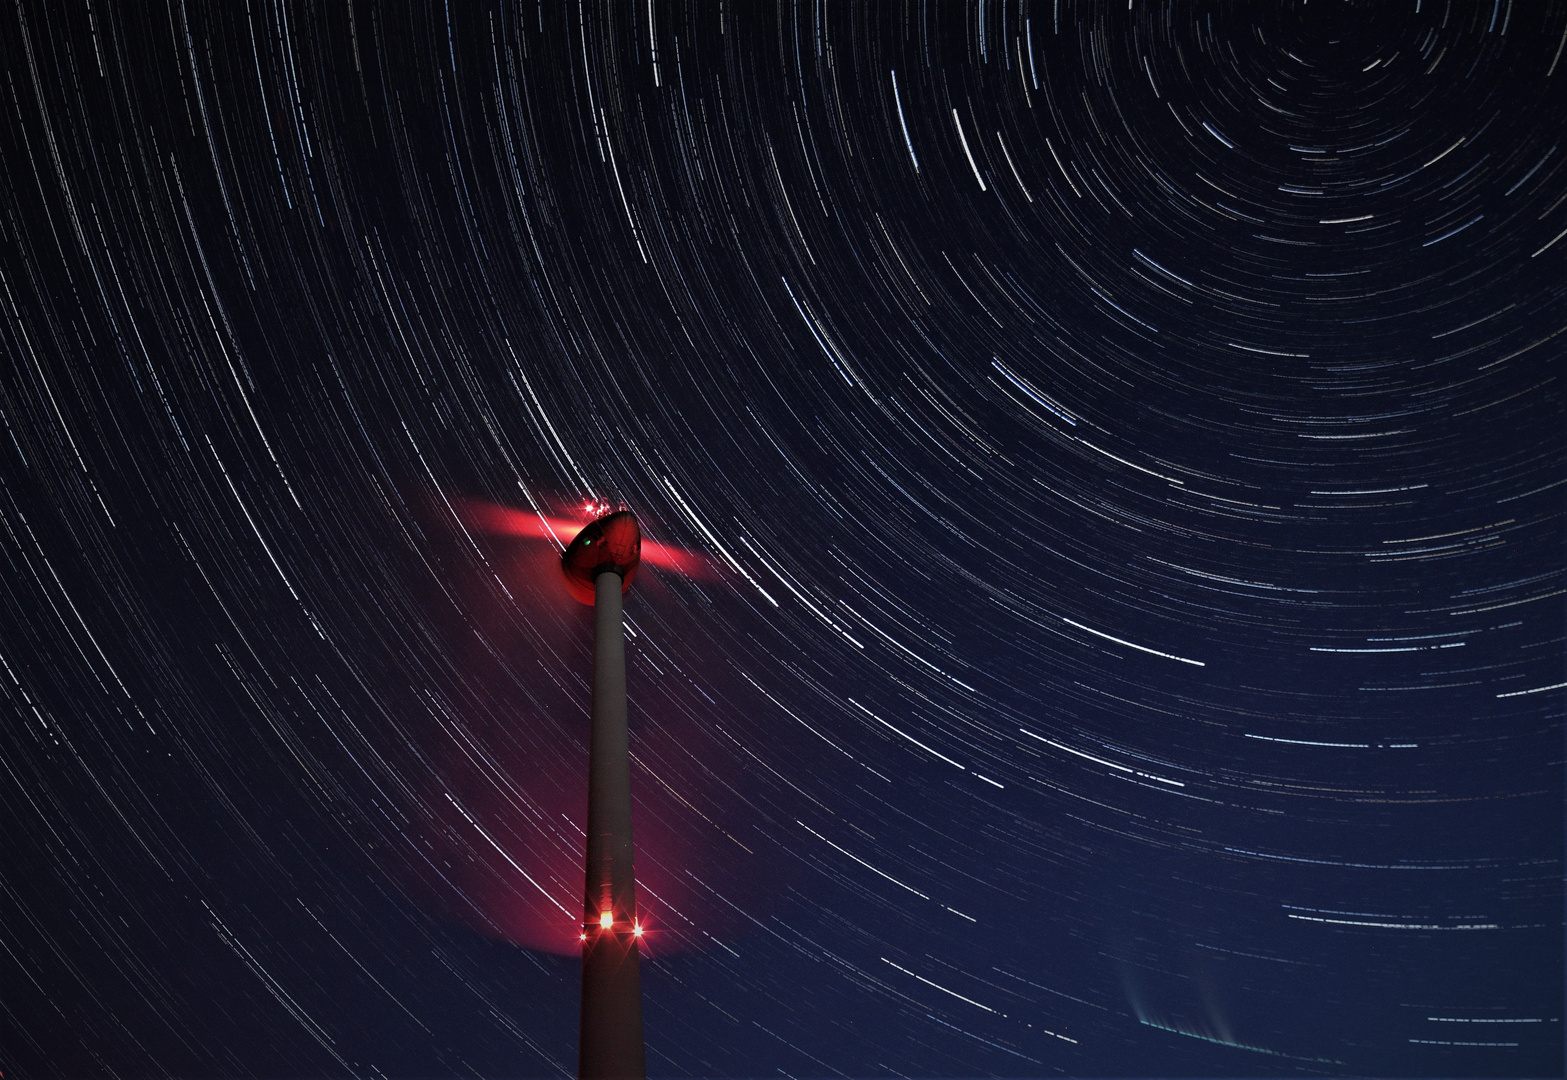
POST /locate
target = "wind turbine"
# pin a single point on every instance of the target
(599, 566)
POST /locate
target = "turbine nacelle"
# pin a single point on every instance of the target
(611, 544)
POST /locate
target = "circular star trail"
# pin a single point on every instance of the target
(1106, 469)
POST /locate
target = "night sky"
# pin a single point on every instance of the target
(1112, 464)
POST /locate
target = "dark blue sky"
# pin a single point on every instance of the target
(1121, 449)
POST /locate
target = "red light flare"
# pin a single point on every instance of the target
(504, 857)
(641, 932)
(495, 520)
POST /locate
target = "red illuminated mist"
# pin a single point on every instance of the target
(502, 842)
(512, 855)
(496, 520)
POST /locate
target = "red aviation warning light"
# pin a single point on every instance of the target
(612, 543)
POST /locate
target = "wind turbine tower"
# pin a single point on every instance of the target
(599, 565)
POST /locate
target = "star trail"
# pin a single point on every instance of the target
(1102, 476)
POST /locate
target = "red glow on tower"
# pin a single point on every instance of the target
(598, 567)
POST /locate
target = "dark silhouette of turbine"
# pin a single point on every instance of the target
(599, 566)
